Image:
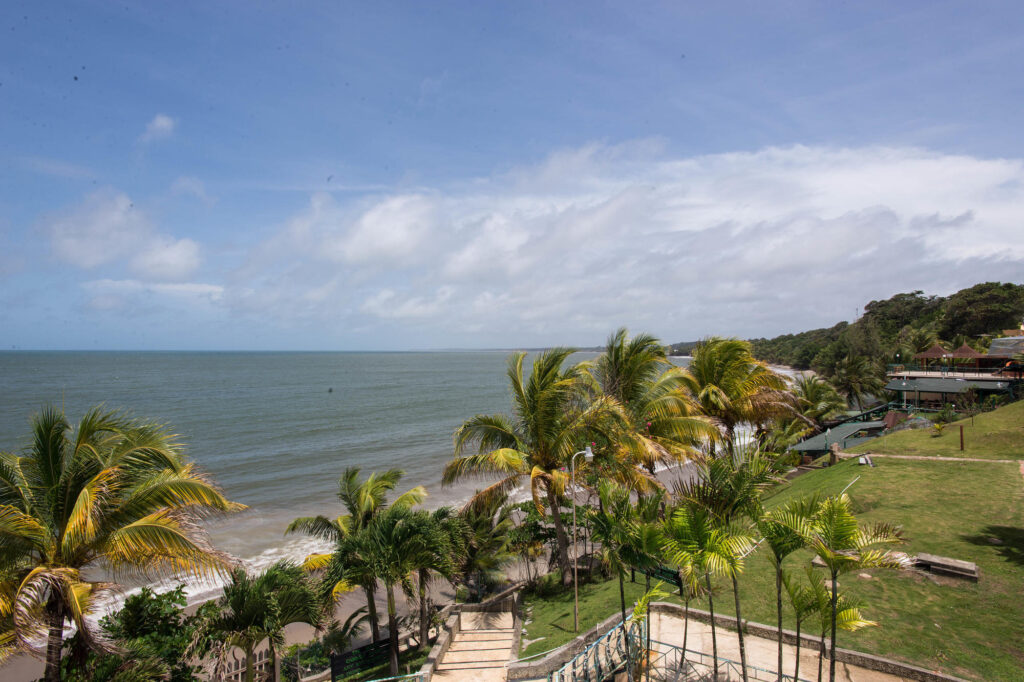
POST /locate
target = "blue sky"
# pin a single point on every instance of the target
(430, 175)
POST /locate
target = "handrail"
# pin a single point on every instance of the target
(410, 676)
(613, 657)
(753, 672)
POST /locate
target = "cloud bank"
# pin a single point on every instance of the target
(748, 244)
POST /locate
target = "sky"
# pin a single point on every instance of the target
(428, 175)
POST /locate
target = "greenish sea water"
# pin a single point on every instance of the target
(274, 429)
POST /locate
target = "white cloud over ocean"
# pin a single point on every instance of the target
(749, 243)
(742, 243)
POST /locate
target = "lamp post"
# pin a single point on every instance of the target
(588, 455)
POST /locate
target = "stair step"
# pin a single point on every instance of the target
(472, 666)
(463, 645)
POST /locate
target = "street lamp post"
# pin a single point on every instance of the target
(588, 455)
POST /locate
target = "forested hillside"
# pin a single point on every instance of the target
(903, 324)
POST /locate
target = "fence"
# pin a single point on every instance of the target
(671, 662)
(614, 649)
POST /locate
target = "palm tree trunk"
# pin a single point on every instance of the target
(250, 663)
(647, 648)
(686, 625)
(625, 632)
(714, 637)
(796, 670)
(563, 539)
(371, 611)
(821, 653)
(778, 605)
(275, 663)
(739, 626)
(832, 642)
(392, 631)
(424, 625)
(55, 641)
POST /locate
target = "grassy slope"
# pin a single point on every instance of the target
(994, 435)
(947, 508)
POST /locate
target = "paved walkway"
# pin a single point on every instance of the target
(480, 651)
(926, 458)
(762, 653)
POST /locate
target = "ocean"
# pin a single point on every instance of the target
(275, 430)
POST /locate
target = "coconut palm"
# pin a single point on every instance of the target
(254, 608)
(779, 528)
(548, 423)
(857, 377)
(816, 399)
(114, 492)
(845, 545)
(695, 538)
(732, 387)
(362, 499)
(664, 426)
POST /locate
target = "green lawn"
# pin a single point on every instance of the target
(993, 435)
(952, 509)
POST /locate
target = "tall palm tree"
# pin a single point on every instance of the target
(362, 499)
(816, 399)
(613, 526)
(254, 608)
(548, 423)
(114, 491)
(442, 557)
(393, 542)
(730, 487)
(487, 537)
(835, 535)
(732, 387)
(857, 377)
(779, 528)
(664, 426)
(695, 537)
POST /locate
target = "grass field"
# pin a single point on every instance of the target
(954, 509)
(993, 435)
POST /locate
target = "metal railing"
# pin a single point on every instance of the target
(953, 369)
(604, 656)
(669, 662)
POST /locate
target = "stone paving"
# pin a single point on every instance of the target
(480, 651)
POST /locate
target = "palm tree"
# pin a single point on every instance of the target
(613, 526)
(729, 487)
(779, 528)
(856, 377)
(254, 608)
(548, 422)
(363, 499)
(732, 387)
(393, 542)
(339, 636)
(664, 426)
(487, 537)
(694, 537)
(845, 545)
(443, 557)
(816, 399)
(802, 599)
(114, 491)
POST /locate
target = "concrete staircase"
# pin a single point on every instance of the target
(481, 649)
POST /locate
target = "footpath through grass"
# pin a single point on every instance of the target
(992, 435)
(964, 510)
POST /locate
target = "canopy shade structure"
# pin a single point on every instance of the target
(928, 385)
(847, 435)
(936, 352)
(965, 352)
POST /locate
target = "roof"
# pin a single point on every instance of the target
(932, 353)
(950, 385)
(841, 434)
(966, 351)
(1006, 347)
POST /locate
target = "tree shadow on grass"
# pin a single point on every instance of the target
(1008, 541)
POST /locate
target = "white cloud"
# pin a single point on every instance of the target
(744, 243)
(161, 126)
(167, 259)
(107, 228)
(114, 294)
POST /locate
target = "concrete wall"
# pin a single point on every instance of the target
(527, 670)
